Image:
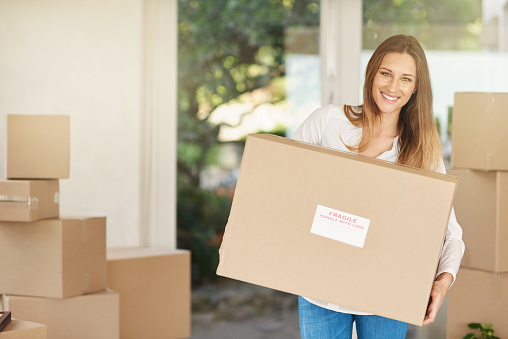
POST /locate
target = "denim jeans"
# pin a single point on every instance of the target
(320, 323)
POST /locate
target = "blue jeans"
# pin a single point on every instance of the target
(321, 323)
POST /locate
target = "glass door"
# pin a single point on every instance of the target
(244, 66)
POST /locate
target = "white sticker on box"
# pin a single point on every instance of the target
(341, 226)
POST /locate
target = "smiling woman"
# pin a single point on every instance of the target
(395, 123)
(418, 141)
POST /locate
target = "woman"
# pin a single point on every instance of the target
(395, 123)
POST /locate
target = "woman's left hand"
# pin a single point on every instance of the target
(437, 295)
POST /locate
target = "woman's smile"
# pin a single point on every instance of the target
(388, 97)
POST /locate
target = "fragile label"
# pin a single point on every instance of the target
(341, 226)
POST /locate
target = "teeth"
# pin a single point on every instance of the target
(389, 97)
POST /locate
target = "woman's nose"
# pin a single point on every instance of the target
(392, 85)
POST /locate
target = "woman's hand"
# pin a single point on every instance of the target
(437, 295)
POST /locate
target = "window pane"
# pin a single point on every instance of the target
(465, 43)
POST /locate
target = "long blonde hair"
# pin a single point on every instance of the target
(419, 144)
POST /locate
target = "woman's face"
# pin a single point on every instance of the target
(394, 82)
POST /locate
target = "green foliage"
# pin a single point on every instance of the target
(450, 120)
(486, 331)
(202, 215)
(438, 125)
(228, 47)
(437, 24)
(225, 48)
(421, 11)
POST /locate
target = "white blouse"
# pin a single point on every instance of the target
(329, 127)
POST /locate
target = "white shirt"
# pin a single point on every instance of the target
(329, 127)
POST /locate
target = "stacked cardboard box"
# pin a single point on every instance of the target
(154, 287)
(36, 156)
(58, 273)
(480, 159)
(20, 329)
(53, 270)
(92, 315)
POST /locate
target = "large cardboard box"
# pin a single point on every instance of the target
(55, 258)
(157, 281)
(338, 227)
(29, 200)
(38, 146)
(482, 204)
(478, 297)
(87, 316)
(21, 329)
(479, 138)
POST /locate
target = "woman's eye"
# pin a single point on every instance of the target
(385, 74)
(406, 79)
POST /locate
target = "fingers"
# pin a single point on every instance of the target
(434, 306)
(430, 316)
(437, 295)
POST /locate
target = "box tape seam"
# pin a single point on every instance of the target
(32, 203)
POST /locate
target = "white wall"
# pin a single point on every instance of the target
(86, 59)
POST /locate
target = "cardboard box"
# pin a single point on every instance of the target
(300, 214)
(21, 329)
(29, 200)
(55, 258)
(83, 317)
(481, 206)
(478, 297)
(479, 138)
(38, 147)
(156, 281)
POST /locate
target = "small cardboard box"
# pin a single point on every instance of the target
(338, 227)
(481, 202)
(38, 146)
(478, 297)
(54, 258)
(29, 200)
(157, 281)
(21, 329)
(87, 316)
(479, 138)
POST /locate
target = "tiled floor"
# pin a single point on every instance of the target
(285, 327)
(281, 324)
